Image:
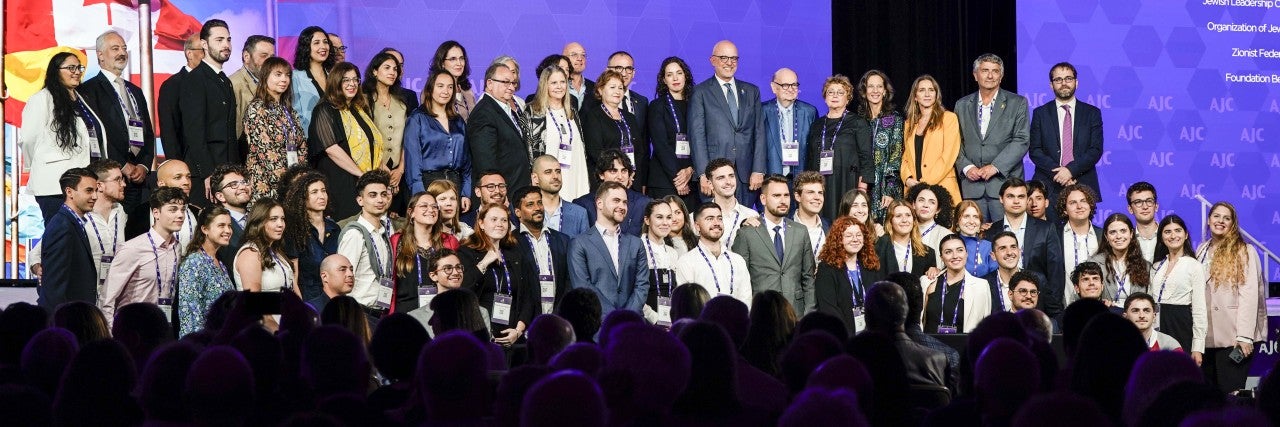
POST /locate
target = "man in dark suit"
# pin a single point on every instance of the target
(582, 88)
(208, 109)
(231, 190)
(70, 272)
(125, 118)
(1040, 243)
(993, 128)
(167, 102)
(1066, 119)
(494, 139)
(778, 252)
(614, 166)
(786, 125)
(726, 121)
(1008, 255)
(611, 263)
(544, 247)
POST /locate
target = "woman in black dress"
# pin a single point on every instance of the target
(343, 141)
(605, 125)
(839, 145)
(671, 163)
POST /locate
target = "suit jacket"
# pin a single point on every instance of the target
(792, 275)
(243, 85)
(208, 106)
(938, 162)
(834, 293)
(920, 262)
(713, 132)
(559, 244)
(633, 224)
(169, 115)
(1004, 146)
(661, 130)
(1046, 145)
(70, 272)
(101, 96)
(1000, 291)
(496, 143)
(590, 266)
(1041, 254)
(803, 116)
(573, 218)
(601, 132)
(40, 146)
(639, 108)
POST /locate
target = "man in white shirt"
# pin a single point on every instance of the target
(723, 179)
(366, 242)
(1144, 206)
(1141, 309)
(809, 195)
(718, 270)
(105, 226)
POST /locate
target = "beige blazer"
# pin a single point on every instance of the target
(1235, 311)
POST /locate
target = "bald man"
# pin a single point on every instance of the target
(579, 86)
(337, 278)
(167, 103)
(726, 120)
(171, 173)
(786, 125)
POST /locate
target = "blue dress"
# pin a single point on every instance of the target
(201, 280)
(309, 258)
(980, 263)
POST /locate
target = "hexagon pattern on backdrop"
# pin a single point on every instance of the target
(1169, 115)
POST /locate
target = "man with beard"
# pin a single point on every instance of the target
(778, 251)
(146, 268)
(208, 109)
(567, 218)
(711, 265)
(1066, 137)
(611, 263)
(256, 50)
(1141, 309)
(170, 174)
(616, 167)
(491, 187)
(231, 189)
(1024, 291)
(125, 118)
(544, 247)
(1008, 255)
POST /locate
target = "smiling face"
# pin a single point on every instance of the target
(374, 199)
(447, 273)
(611, 92)
(425, 211)
(492, 189)
(724, 59)
(659, 221)
(387, 72)
(1142, 313)
(926, 206)
(613, 206)
(902, 220)
(557, 86)
(875, 90)
(677, 217)
(853, 240)
(785, 86)
(1174, 237)
(1063, 81)
(673, 76)
(619, 174)
(275, 224)
(279, 80)
(494, 223)
(625, 65)
(1090, 286)
(233, 190)
(970, 221)
(1006, 252)
(170, 216)
(530, 210)
(810, 197)
(175, 174)
(503, 84)
(70, 78)
(953, 255)
(350, 84)
(319, 47)
(84, 195)
(455, 61)
(1221, 221)
(219, 231)
(724, 181)
(860, 209)
(1119, 235)
(577, 56)
(1025, 295)
(710, 224)
(114, 55)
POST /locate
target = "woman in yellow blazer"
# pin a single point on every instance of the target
(932, 139)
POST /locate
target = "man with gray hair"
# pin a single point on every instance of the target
(494, 135)
(257, 48)
(122, 107)
(995, 133)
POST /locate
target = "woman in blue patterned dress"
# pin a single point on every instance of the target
(201, 277)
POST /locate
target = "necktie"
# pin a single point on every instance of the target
(626, 103)
(732, 98)
(1068, 137)
(777, 241)
(123, 91)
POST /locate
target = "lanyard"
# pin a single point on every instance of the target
(1076, 238)
(114, 236)
(215, 262)
(562, 130)
(905, 259)
(855, 281)
(89, 120)
(73, 215)
(822, 236)
(729, 241)
(1120, 281)
(671, 104)
(502, 262)
(155, 250)
(927, 230)
(836, 134)
(795, 130)
(133, 101)
(713, 270)
(999, 289)
(1160, 295)
(551, 266)
(377, 259)
(942, 302)
(624, 129)
(653, 262)
(284, 269)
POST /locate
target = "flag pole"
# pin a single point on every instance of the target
(145, 47)
(9, 250)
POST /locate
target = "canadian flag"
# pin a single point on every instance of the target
(35, 30)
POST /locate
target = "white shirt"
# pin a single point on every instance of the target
(1062, 114)
(984, 111)
(279, 276)
(900, 253)
(352, 245)
(580, 92)
(931, 234)
(729, 271)
(786, 127)
(610, 236)
(238, 217)
(107, 238)
(733, 88)
(1021, 233)
(660, 255)
(769, 227)
(1148, 246)
(733, 222)
(817, 235)
(217, 68)
(1183, 284)
(1075, 250)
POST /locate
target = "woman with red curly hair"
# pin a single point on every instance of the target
(847, 266)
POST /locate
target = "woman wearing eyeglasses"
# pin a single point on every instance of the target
(344, 141)
(452, 57)
(61, 131)
(839, 146)
(422, 236)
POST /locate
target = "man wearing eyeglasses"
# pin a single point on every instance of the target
(339, 50)
(786, 125)
(494, 137)
(125, 118)
(622, 63)
(170, 117)
(1066, 137)
(579, 85)
(491, 188)
(993, 129)
(726, 121)
(231, 190)
(1144, 206)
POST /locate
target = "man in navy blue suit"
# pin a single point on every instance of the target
(726, 121)
(611, 263)
(1038, 241)
(786, 125)
(70, 273)
(614, 166)
(544, 247)
(1066, 137)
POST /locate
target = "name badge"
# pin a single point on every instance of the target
(826, 162)
(292, 157)
(682, 146)
(502, 309)
(790, 153)
(947, 329)
(106, 259)
(93, 145)
(425, 294)
(166, 307)
(385, 292)
(135, 133)
(631, 154)
(565, 155)
(664, 311)
(859, 320)
(548, 307)
(547, 288)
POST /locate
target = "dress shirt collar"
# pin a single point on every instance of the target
(111, 77)
(1059, 103)
(161, 242)
(1008, 222)
(238, 217)
(374, 228)
(606, 231)
(731, 81)
(994, 98)
(217, 68)
(770, 225)
(525, 229)
(724, 252)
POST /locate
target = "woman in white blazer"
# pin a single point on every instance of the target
(962, 301)
(59, 131)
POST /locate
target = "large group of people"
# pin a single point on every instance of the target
(737, 261)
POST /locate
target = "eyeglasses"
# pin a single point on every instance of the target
(456, 59)
(788, 86)
(1060, 80)
(235, 184)
(494, 187)
(582, 55)
(504, 82)
(726, 59)
(623, 70)
(1142, 203)
(1026, 292)
(836, 93)
(342, 49)
(450, 269)
(354, 81)
(73, 68)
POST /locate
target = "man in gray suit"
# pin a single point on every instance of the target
(995, 130)
(778, 252)
(611, 263)
(725, 121)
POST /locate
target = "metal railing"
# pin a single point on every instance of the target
(1268, 256)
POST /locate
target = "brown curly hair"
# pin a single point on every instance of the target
(832, 251)
(1089, 196)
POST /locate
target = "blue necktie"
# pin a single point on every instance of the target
(732, 98)
(777, 241)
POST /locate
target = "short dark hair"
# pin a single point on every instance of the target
(1137, 187)
(210, 25)
(605, 161)
(488, 172)
(518, 196)
(697, 213)
(1036, 185)
(221, 171)
(1024, 276)
(439, 254)
(581, 307)
(1087, 267)
(165, 195)
(1063, 64)
(1005, 233)
(253, 41)
(103, 166)
(493, 69)
(910, 284)
(884, 308)
(948, 238)
(774, 179)
(605, 187)
(552, 60)
(1141, 296)
(716, 164)
(1013, 182)
(621, 52)
(71, 178)
(376, 176)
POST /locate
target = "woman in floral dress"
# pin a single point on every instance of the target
(273, 128)
(876, 106)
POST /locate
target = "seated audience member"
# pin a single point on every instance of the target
(337, 278)
(18, 323)
(395, 347)
(451, 376)
(1152, 374)
(345, 311)
(82, 319)
(1059, 409)
(581, 307)
(1141, 309)
(806, 353)
(446, 273)
(1108, 348)
(583, 357)
(1037, 324)
(46, 357)
(819, 321)
(772, 324)
(887, 315)
(219, 387)
(455, 310)
(910, 285)
(509, 394)
(160, 385)
(548, 335)
(818, 406)
(846, 373)
(334, 362)
(97, 388)
(142, 328)
(565, 398)
(613, 321)
(712, 392)
(1002, 394)
(649, 369)
(756, 389)
(687, 301)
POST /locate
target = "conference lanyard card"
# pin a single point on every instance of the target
(565, 155)
(166, 307)
(947, 329)
(826, 162)
(548, 307)
(385, 292)
(93, 144)
(425, 294)
(292, 157)
(547, 288)
(664, 311)
(682, 146)
(859, 319)
(135, 133)
(790, 153)
(502, 309)
(631, 153)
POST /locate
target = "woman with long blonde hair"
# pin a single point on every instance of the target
(901, 248)
(1234, 297)
(930, 154)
